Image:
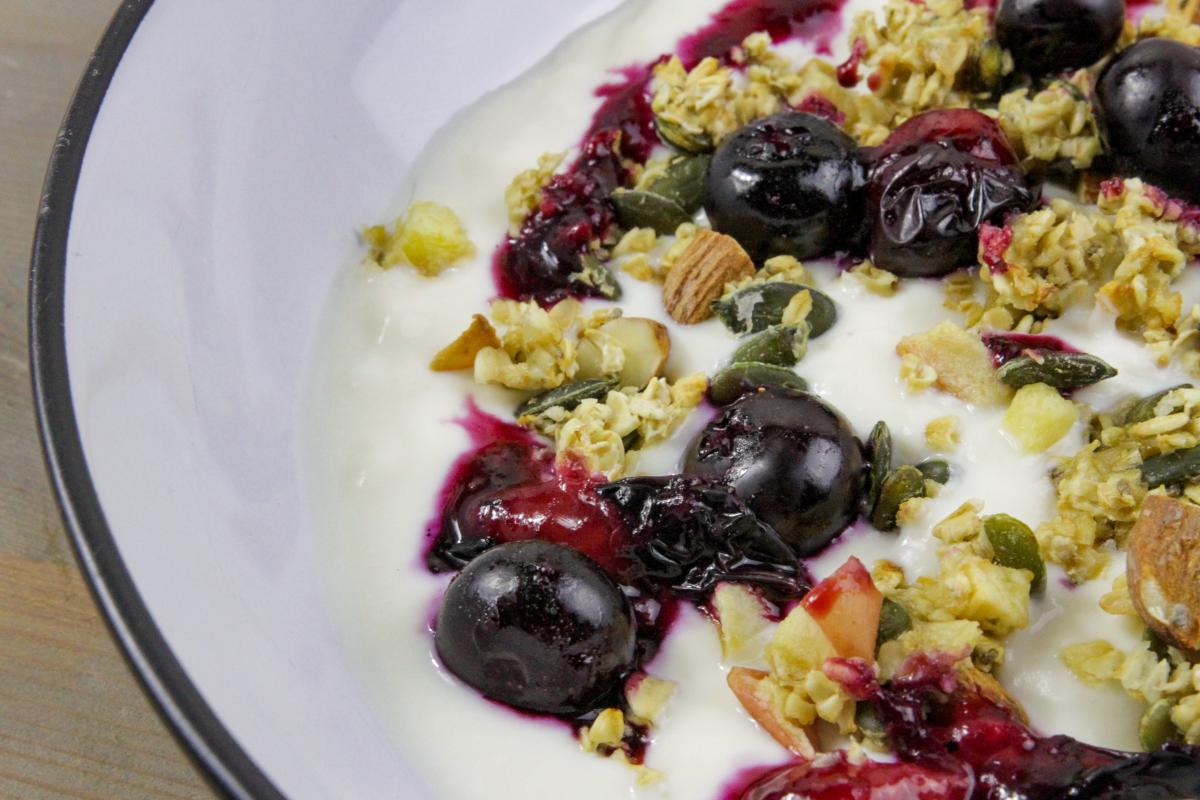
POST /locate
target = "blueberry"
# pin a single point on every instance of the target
(791, 458)
(1054, 35)
(1148, 105)
(537, 626)
(789, 184)
(934, 182)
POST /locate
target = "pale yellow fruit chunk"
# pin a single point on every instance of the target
(429, 236)
(1039, 416)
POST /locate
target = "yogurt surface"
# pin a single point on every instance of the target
(382, 438)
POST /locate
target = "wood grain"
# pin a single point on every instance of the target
(73, 721)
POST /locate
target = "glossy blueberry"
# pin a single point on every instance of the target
(934, 182)
(789, 184)
(1054, 35)
(791, 458)
(538, 626)
(1148, 105)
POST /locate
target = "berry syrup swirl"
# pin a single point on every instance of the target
(576, 215)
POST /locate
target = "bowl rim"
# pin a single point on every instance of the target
(228, 767)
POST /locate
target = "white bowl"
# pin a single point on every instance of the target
(204, 192)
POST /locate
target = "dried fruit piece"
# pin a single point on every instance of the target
(894, 620)
(963, 366)
(903, 484)
(1143, 409)
(1171, 469)
(1054, 368)
(1015, 546)
(735, 380)
(1162, 565)
(747, 685)
(755, 308)
(645, 344)
(879, 452)
(683, 182)
(460, 354)
(710, 261)
(568, 396)
(649, 210)
(781, 345)
(1039, 416)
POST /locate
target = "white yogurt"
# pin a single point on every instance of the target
(382, 440)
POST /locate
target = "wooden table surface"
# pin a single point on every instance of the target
(73, 720)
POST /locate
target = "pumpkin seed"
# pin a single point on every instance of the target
(631, 441)
(593, 273)
(1015, 546)
(681, 139)
(936, 470)
(1057, 369)
(755, 308)
(1156, 728)
(648, 210)
(1143, 409)
(569, 395)
(879, 453)
(902, 484)
(684, 182)
(894, 620)
(735, 380)
(782, 345)
(1171, 469)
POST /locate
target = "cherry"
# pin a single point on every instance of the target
(791, 458)
(789, 184)
(538, 626)
(1148, 106)
(1054, 35)
(966, 129)
(839, 779)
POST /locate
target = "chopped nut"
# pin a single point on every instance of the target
(753, 688)
(942, 433)
(648, 697)
(1039, 416)
(1164, 560)
(460, 354)
(963, 366)
(699, 276)
(741, 620)
(607, 730)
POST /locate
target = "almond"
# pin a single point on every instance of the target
(699, 275)
(1161, 569)
(961, 362)
(460, 354)
(747, 686)
(645, 343)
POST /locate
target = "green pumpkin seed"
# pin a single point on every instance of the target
(684, 182)
(879, 453)
(781, 345)
(681, 139)
(903, 484)
(569, 395)
(936, 470)
(594, 274)
(758, 307)
(631, 441)
(894, 620)
(1060, 370)
(1171, 469)
(735, 380)
(648, 210)
(1015, 546)
(1143, 409)
(1156, 728)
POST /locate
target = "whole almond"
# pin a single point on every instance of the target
(699, 276)
(1162, 568)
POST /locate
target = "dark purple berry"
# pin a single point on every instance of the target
(926, 200)
(1047, 36)
(789, 184)
(791, 458)
(1148, 105)
(538, 626)
(691, 533)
